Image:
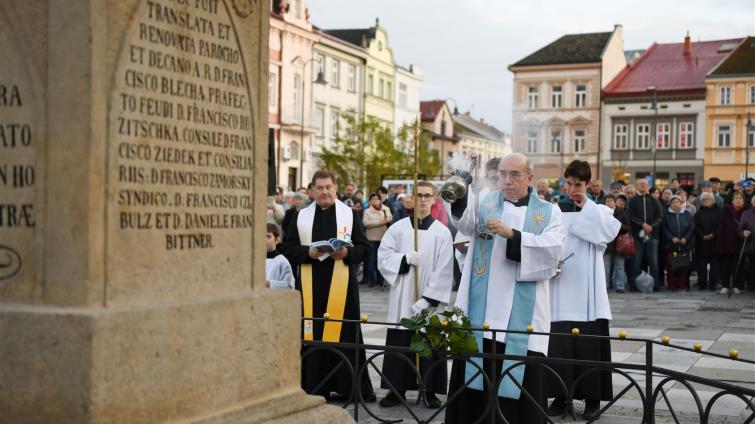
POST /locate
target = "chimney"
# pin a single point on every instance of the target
(687, 45)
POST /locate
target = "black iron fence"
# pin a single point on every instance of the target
(649, 393)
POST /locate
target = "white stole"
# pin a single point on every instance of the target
(344, 222)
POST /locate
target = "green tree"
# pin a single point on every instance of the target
(364, 151)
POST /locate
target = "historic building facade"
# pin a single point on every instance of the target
(729, 105)
(557, 91)
(654, 113)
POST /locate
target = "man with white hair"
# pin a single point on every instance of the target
(515, 248)
(542, 187)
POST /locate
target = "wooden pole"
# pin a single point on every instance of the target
(416, 133)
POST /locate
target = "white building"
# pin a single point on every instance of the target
(342, 65)
(480, 140)
(407, 95)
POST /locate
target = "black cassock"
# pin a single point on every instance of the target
(317, 365)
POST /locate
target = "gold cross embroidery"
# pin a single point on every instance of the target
(538, 218)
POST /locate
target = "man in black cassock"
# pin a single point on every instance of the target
(328, 284)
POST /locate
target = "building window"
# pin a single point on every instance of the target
(336, 73)
(579, 141)
(297, 97)
(531, 141)
(580, 99)
(621, 136)
(320, 120)
(272, 89)
(686, 135)
(555, 141)
(724, 95)
(320, 67)
(402, 95)
(663, 135)
(556, 97)
(443, 127)
(370, 83)
(752, 94)
(381, 88)
(751, 137)
(532, 98)
(643, 136)
(389, 91)
(724, 136)
(352, 78)
(334, 126)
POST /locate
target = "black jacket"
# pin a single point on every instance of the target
(706, 222)
(645, 209)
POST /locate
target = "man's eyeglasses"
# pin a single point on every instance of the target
(515, 175)
(425, 196)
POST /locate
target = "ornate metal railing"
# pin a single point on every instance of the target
(649, 393)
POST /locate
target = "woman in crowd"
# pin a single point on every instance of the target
(744, 230)
(376, 219)
(678, 234)
(706, 222)
(613, 261)
(666, 198)
(688, 205)
(727, 240)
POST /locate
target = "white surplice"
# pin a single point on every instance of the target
(435, 266)
(539, 259)
(579, 293)
(278, 272)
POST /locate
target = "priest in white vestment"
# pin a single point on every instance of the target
(397, 262)
(579, 296)
(515, 248)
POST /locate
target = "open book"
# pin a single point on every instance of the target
(328, 246)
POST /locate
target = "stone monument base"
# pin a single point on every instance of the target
(217, 360)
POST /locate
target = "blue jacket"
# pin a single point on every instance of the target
(679, 225)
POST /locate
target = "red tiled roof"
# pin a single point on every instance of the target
(429, 109)
(667, 68)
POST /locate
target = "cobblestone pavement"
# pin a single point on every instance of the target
(717, 322)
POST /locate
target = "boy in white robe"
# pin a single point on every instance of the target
(579, 297)
(277, 269)
(397, 262)
(518, 257)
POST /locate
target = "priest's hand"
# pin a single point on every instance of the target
(412, 258)
(314, 253)
(340, 253)
(497, 226)
(420, 305)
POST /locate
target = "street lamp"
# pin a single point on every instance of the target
(321, 81)
(654, 106)
(747, 146)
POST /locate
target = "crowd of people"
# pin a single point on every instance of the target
(676, 233)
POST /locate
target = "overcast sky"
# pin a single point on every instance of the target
(465, 46)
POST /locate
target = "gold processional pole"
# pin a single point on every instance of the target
(416, 130)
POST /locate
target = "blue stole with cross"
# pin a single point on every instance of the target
(523, 306)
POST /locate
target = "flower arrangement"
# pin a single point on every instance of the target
(447, 332)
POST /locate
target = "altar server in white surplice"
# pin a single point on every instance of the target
(396, 262)
(579, 298)
(515, 247)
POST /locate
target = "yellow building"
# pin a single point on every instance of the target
(379, 81)
(730, 102)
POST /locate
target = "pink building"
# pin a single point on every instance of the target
(290, 91)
